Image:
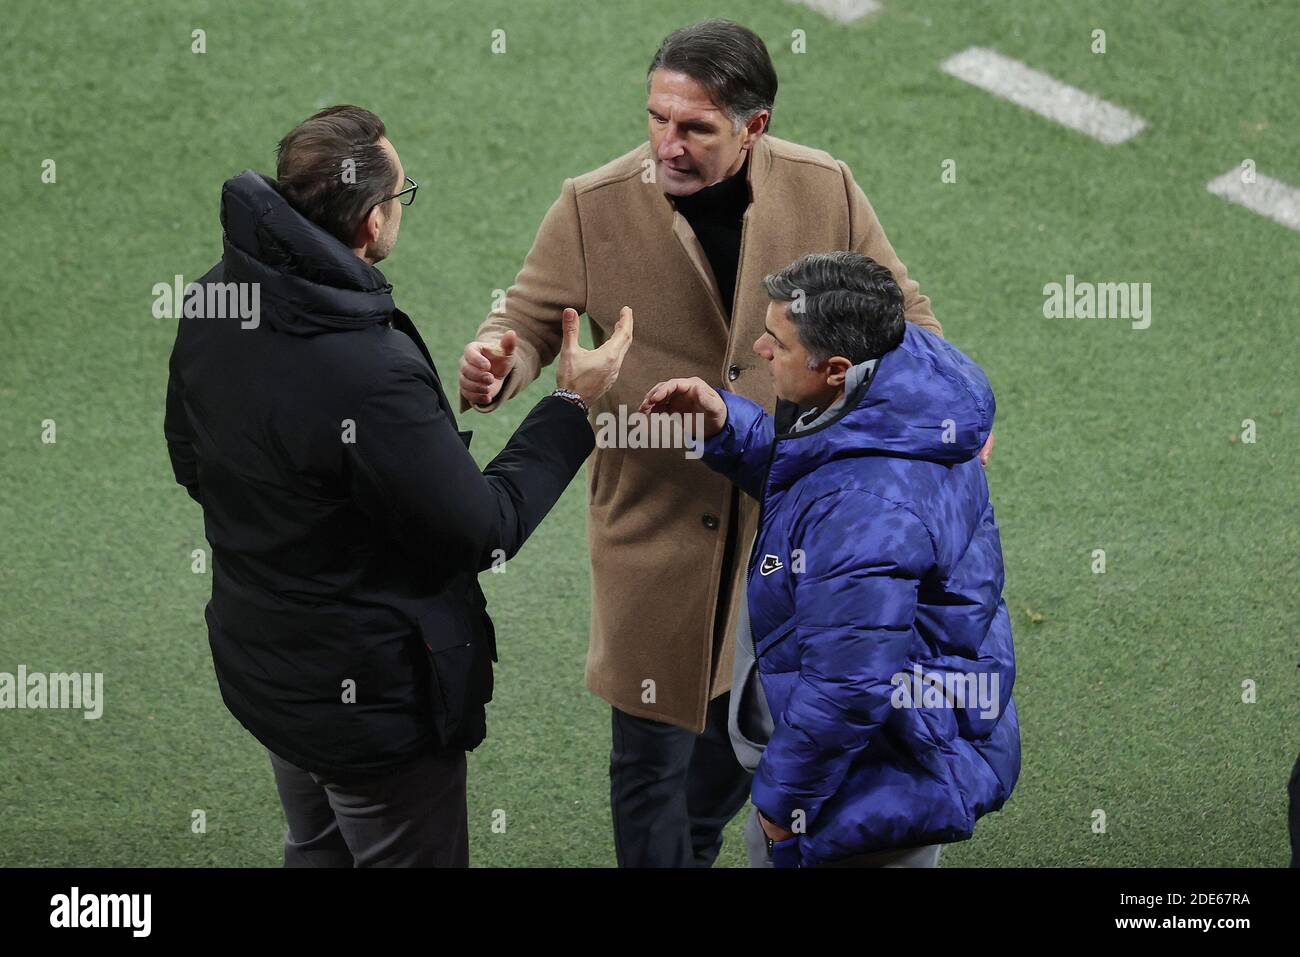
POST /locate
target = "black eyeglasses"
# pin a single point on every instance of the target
(407, 196)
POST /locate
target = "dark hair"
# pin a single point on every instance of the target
(842, 304)
(310, 168)
(728, 60)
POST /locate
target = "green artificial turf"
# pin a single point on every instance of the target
(1129, 683)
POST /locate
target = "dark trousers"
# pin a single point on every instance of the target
(672, 791)
(412, 816)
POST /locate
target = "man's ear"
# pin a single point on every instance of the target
(755, 127)
(367, 229)
(837, 368)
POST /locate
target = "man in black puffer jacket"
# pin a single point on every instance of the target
(347, 518)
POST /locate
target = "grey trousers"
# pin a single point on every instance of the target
(412, 816)
(756, 847)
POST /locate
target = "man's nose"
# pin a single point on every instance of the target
(671, 146)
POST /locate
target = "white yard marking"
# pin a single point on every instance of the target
(843, 11)
(1267, 196)
(1045, 95)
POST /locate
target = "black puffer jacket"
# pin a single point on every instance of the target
(347, 519)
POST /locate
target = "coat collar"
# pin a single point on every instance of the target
(925, 400)
(310, 282)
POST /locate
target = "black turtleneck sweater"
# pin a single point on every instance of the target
(715, 213)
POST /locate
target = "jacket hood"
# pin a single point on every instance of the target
(926, 400)
(310, 283)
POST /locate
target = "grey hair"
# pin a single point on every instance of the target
(842, 304)
(731, 62)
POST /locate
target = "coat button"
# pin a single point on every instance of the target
(733, 373)
(710, 521)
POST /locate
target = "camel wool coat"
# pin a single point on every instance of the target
(665, 590)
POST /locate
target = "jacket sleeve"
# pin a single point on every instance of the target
(410, 473)
(742, 448)
(855, 613)
(180, 438)
(868, 237)
(552, 278)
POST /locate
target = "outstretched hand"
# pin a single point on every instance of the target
(688, 396)
(592, 372)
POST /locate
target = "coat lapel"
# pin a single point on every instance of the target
(700, 263)
(755, 240)
(402, 323)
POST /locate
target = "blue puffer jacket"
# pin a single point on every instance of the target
(875, 600)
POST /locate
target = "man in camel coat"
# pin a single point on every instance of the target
(682, 229)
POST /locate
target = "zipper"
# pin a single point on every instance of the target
(731, 336)
(753, 549)
(762, 503)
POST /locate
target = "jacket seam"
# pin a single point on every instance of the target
(958, 381)
(609, 179)
(808, 161)
(586, 270)
(934, 548)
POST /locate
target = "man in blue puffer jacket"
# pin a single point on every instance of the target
(876, 615)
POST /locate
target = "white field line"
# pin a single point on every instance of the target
(1267, 196)
(1045, 95)
(843, 11)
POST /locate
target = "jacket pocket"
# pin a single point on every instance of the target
(605, 464)
(774, 637)
(447, 632)
(486, 630)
